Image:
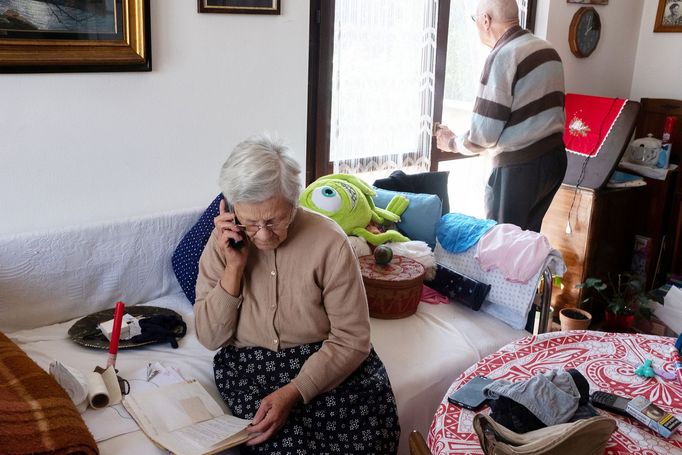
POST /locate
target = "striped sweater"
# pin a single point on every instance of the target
(519, 111)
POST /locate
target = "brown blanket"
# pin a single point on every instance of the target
(36, 414)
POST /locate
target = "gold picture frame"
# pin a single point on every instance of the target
(589, 2)
(95, 35)
(239, 6)
(668, 16)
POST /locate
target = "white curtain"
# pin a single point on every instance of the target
(382, 85)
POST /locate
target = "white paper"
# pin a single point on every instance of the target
(160, 376)
(130, 326)
(109, 422)
(671, 312)
(73, 382)
(111, 382)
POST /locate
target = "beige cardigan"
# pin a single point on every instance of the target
(307, 290)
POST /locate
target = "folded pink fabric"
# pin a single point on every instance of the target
(518, 254)
(432, 296)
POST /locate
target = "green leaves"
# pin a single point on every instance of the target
(624, 297)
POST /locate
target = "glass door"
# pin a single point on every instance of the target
(461, 57)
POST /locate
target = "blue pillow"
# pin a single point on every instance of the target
(418, 222)
(186, 256)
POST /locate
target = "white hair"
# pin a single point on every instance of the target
(500, 10)
(258, 169)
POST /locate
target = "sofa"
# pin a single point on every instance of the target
(51, 279)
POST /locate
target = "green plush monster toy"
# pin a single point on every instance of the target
(348, 200)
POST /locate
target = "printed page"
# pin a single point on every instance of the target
(185, 419)
(175, 406)
(212, 432)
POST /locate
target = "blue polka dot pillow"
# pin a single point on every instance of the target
(186, 256)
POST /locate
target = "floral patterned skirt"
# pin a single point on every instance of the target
(357, 417)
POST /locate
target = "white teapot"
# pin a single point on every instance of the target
(644, 151)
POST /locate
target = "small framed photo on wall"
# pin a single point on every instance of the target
(589, 2)
(669, 16)
(240, 6)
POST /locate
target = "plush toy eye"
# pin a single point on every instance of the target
(327, 199)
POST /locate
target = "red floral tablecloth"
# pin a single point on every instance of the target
(607, 360)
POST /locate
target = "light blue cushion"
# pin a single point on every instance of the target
(419, 221)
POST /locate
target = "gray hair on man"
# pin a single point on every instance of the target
(500, 10)
(258, 169)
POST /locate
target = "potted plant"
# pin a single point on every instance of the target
(624, 298)
(574, 319)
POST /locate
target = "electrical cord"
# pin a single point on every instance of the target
(583, 168)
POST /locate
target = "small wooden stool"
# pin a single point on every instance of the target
(393, 290)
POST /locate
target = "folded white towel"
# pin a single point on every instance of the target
(507, 301)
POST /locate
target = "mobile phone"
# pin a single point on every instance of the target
(610, 402)
(237, 245)
(470, 395)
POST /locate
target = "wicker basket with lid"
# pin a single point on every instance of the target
(393, 290)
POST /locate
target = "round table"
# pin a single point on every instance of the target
(607, 360)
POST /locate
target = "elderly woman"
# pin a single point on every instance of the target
(280, 293)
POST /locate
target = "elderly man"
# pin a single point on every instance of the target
(518, 118)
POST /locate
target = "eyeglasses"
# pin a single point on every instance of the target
(253, 229)
(474, 17)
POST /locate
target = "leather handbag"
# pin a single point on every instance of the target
(584, 437)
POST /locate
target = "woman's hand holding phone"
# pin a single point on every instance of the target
(229, 236)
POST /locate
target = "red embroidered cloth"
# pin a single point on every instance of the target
(589, 120)
(607, 360)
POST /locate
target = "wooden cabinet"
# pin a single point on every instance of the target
(604, 221)
(603, 224)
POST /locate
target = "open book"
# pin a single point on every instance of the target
(185, 419)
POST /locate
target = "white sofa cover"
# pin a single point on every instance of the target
(50, 279)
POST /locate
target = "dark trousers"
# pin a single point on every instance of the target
(521, 194)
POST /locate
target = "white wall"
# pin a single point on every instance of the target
(658, 66)
(608, 71)
(80, 148)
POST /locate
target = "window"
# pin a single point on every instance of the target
(382, 72)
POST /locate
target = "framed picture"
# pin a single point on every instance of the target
(74, 35)
(669, 16)
(240, 6)
(589, 2)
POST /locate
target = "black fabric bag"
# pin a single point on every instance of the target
(161, 327)
(425, 182)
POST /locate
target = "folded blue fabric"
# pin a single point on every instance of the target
(457, 232)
